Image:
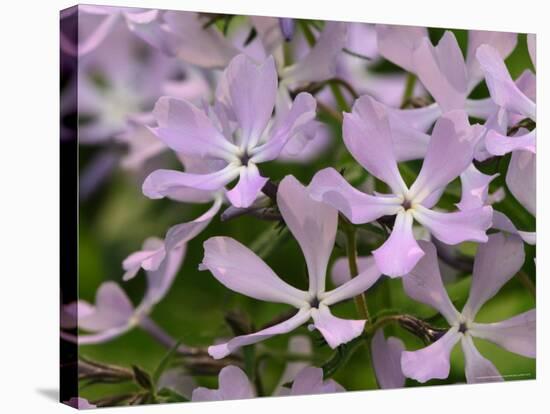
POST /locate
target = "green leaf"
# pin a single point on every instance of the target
(142, 378)
(165, 362)
(168, 395)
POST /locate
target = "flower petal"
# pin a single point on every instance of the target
(432, 361)
(367, 135)
(222, 350)
(517, 334)
(500, 144)
(496, 262)
(336, 331)
(475, 188)
(478, 368)
(331, 188)
(310, 381)
(233, 385)
(386, 360)
(503, 42)
(313, 224)
(368, 275)
(442, 70)
(297, 118)
(400, 252)
(424, 284)
(532, 47)
(456, 227)
(187, 129)
(503, 90)
(503, 223)
(164, 183)
(450, 152)
(249, 91)
(248, 188)
(340, 270)
(397, 43)
(521, 179)
(320, 63)
(241, 270)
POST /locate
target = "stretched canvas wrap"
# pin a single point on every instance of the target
(259, 206)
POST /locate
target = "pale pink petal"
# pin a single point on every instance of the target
(458, 226)
(336, 331)
(368, 275)
(442, 70)
(478, 368)
(521, 179)
(409, 143)
(187, 129)
(503, 223)
(249, 90)
(148, 25)
(386, 360)
(432, 361)
(241, 270)
(475, 188)
(397, 43)
(248, 188)
(450, 152)
(367, 135)
(149, 258)
(517, 334)
(400, 253)
(496, 262)
(503, 90)
(500, 144)
(424, 284)
(233, 385)
(330, 187)
(164, 183)
(310, 381)
(503, 42)
(224, 349)
(313, 224)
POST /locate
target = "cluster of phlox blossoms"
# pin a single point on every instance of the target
(347, 202)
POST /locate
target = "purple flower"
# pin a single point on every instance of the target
(496, 263)
(314, 225)
(310, 381)
(80, 403)
(367, 135)
(507, 94)
(113, 314)
(237, 136)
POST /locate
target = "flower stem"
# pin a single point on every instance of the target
(409, 89)
(351, 239)
(527, 283)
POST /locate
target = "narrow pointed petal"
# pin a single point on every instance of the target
(336, 331)
(397, 43)
(503, 223)
(478, 368)
(442, 70)
(320, 63)
(164, 183)
(475, 188)
(400, 253)
(187, 129)
(517, 334)
(249, 90)
(450, 152)
(340, 270)
(386, 359)
(430, 362)
(241, 270)
(367, 276)
(148, 26)
(503, 90)
(500, 144)
(458, 226)
(222, 350)
(503, 42)
(313, 224)
(496, 262)
(368, 137)
(424, 284)
(248, 188)
(331, 188)
(298, 117)
(521, 179)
